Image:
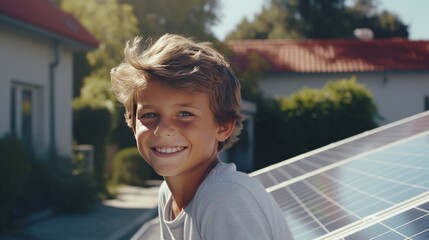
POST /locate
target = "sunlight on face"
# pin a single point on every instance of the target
(175, 130)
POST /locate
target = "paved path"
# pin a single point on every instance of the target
(149, 231)
(115, 219)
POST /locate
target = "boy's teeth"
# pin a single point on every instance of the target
(169, 150)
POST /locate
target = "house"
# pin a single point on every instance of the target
(37, 42)
(396, 71)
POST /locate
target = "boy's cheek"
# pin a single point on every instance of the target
(141, 135)
(142, 154)
(140, 128)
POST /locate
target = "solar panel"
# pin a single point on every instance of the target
(371, 186)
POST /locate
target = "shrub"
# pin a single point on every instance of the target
(14, 169)
(76, 193)
(91, 125)
(28, 184)
(269, 136)
(57, 188)
(121, 135)
(317, 117)
(130, 168)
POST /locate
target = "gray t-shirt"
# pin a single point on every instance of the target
(227, 205)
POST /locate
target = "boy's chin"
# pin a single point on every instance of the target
(163, 172)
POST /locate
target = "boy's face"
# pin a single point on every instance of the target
(175, 130)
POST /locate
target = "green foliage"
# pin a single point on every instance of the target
(91, 125)
(310, 118)
(322, 19)
(317, 117)
(57, 188)
(76, 193)
(187, 17)
(122, 135)
(78, 163)
(112, 24)
(269, 134)
(248, 68)
(81, 69)
(14, 169)
(268, 24)
(385, 25)
(28, 184)
(130, 168)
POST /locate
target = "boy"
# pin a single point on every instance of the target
(182, 102)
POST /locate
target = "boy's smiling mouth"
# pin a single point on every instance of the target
(169, 150)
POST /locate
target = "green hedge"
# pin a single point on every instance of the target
(59, 189)
(312, 118)
(269, 134)
(129, 168)
(121, 135)
(28, 184)
(75, 193)
(317, 117)
(14, 169)
(91, 125)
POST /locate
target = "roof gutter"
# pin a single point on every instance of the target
(40, 31)
(52, 131)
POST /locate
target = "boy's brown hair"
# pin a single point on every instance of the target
(185, 65)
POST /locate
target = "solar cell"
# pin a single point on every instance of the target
(372, 186)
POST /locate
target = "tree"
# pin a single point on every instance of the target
(386, 25)
(188, 17)
(322, 19)
(112, 24)
(269, 24)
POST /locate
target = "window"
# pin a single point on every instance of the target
(24, 113)
(426, 103)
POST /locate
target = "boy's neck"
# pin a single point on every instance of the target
(183, 188)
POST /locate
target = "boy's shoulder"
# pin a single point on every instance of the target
(232, 197)
(225, 182)
(226, 173)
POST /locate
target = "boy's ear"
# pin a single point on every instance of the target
(225, 130)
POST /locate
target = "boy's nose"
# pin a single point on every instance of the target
(164, 129)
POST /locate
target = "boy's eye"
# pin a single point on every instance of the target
(184, 114)
(149, 115)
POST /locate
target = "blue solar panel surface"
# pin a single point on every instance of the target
(371, 186)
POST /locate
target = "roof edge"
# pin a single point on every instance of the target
(46, 33)
(330, 40)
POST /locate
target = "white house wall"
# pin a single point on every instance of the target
(25, 59)
(396, 94)
(63, 107)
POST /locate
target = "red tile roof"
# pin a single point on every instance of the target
(315, 56)
(42, 14)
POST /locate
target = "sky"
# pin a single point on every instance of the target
(414, 13)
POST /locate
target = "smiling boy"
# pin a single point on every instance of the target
(182, 102)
